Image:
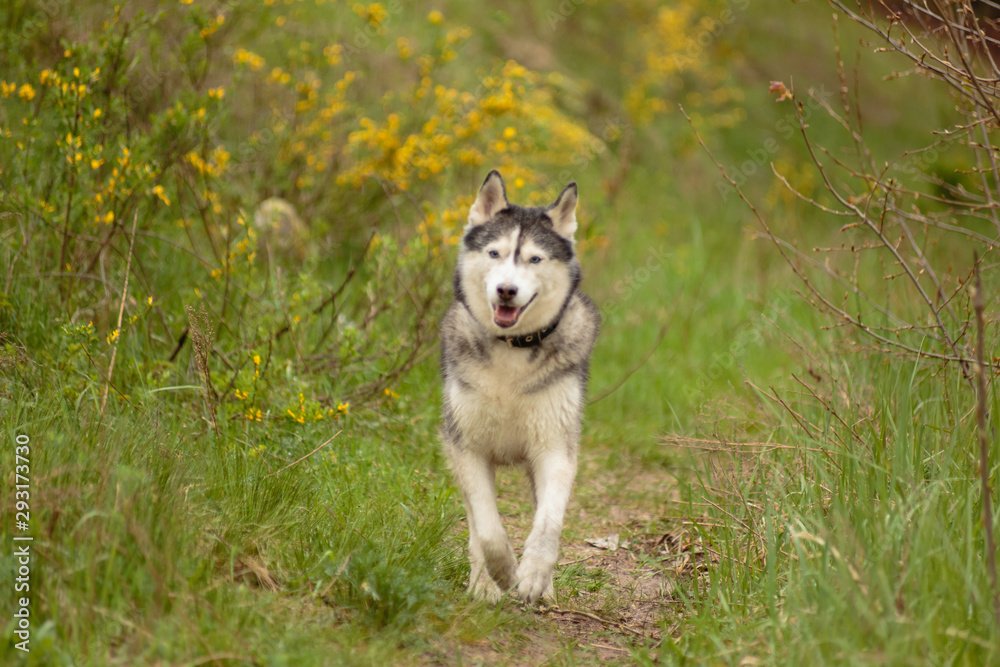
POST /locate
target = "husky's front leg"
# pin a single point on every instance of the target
(552, 474)
(490, 554)
(481, 584)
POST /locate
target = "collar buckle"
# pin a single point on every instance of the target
(529, 340)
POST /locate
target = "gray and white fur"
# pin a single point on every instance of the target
(515, 351)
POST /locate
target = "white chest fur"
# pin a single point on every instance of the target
(513, 405)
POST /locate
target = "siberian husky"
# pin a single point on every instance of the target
(515, 352)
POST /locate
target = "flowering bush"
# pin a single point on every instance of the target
(147, 143)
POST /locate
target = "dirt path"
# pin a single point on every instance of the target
(621, 555)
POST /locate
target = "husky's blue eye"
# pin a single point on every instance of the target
(535, 260)
(494, 254)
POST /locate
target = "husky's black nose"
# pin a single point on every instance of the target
(507, 292)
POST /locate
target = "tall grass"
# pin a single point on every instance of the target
(852, 532)
(145, 532)
(205, 515)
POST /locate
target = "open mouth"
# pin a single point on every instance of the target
(507, 316)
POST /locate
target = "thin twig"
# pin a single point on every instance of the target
(829, 409)
(331, 299)
(606, 647)
(593, 617)
(725, 446)
(984, 459)
(607, 391)
(17, 255)
(121, 312)
(578, 560)
(786, 251)
(299, 460)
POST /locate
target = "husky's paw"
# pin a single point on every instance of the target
(534, 581)
(501, 564)
(486, 589)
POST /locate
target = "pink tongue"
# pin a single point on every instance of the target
(505, 316)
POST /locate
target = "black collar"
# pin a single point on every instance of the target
(532, 339)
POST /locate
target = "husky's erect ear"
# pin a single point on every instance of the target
(563, 212)
(491, 200)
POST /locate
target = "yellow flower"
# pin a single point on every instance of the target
(332, 53)
(404, 48)
(249, 58)
(435, 17)
(278, 75)
(26, 92)
(220, 158)
(344, 407)
(159, 192)
(197, 162)
(113, 336)
(256, 360)
(374, 13)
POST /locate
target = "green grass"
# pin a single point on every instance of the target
(168, 532)
(855, 553)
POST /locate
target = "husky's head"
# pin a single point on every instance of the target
(516, 268)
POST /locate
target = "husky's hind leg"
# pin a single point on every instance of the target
(489, 548)
(552, 481)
